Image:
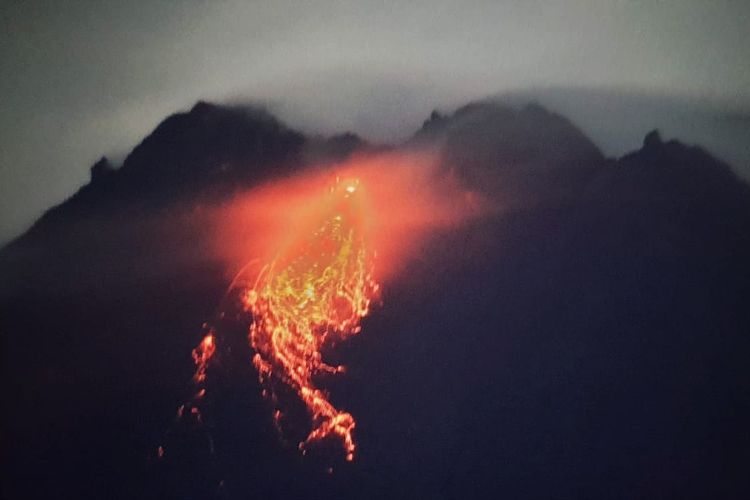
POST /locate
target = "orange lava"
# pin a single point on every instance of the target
(320, 245)
(201, 356)
(314, 293)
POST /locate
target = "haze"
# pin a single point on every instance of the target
(82, 79)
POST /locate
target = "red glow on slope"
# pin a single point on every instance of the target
(201, 356)
(309, 251)
(314, 292)
(403, 198)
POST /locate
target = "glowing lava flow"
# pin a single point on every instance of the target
(315, 292)
(202, 355)
(313, 250)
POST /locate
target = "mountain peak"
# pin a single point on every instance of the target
(587, 277)
(202, 107)
(101, 169)
(652, 140)
(209, 143)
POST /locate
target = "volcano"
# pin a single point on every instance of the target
(583, 335)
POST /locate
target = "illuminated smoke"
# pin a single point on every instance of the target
(313, 240)
(314, 293)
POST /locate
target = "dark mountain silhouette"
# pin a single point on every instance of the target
(588, 342)
(616, 118)
(518, 155)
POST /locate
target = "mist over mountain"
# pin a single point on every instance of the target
(617, 119)
(587, 339)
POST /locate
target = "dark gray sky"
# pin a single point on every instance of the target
(80, 79)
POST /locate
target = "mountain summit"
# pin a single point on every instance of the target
(589, 337)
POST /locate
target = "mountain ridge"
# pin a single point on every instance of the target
(284, 148)
(590, 338)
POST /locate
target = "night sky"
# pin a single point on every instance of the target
(82, 79)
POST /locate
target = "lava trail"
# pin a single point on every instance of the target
(312, 278)
(313, 294)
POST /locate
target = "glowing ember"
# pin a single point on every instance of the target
(201, 355)
(314, 293)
